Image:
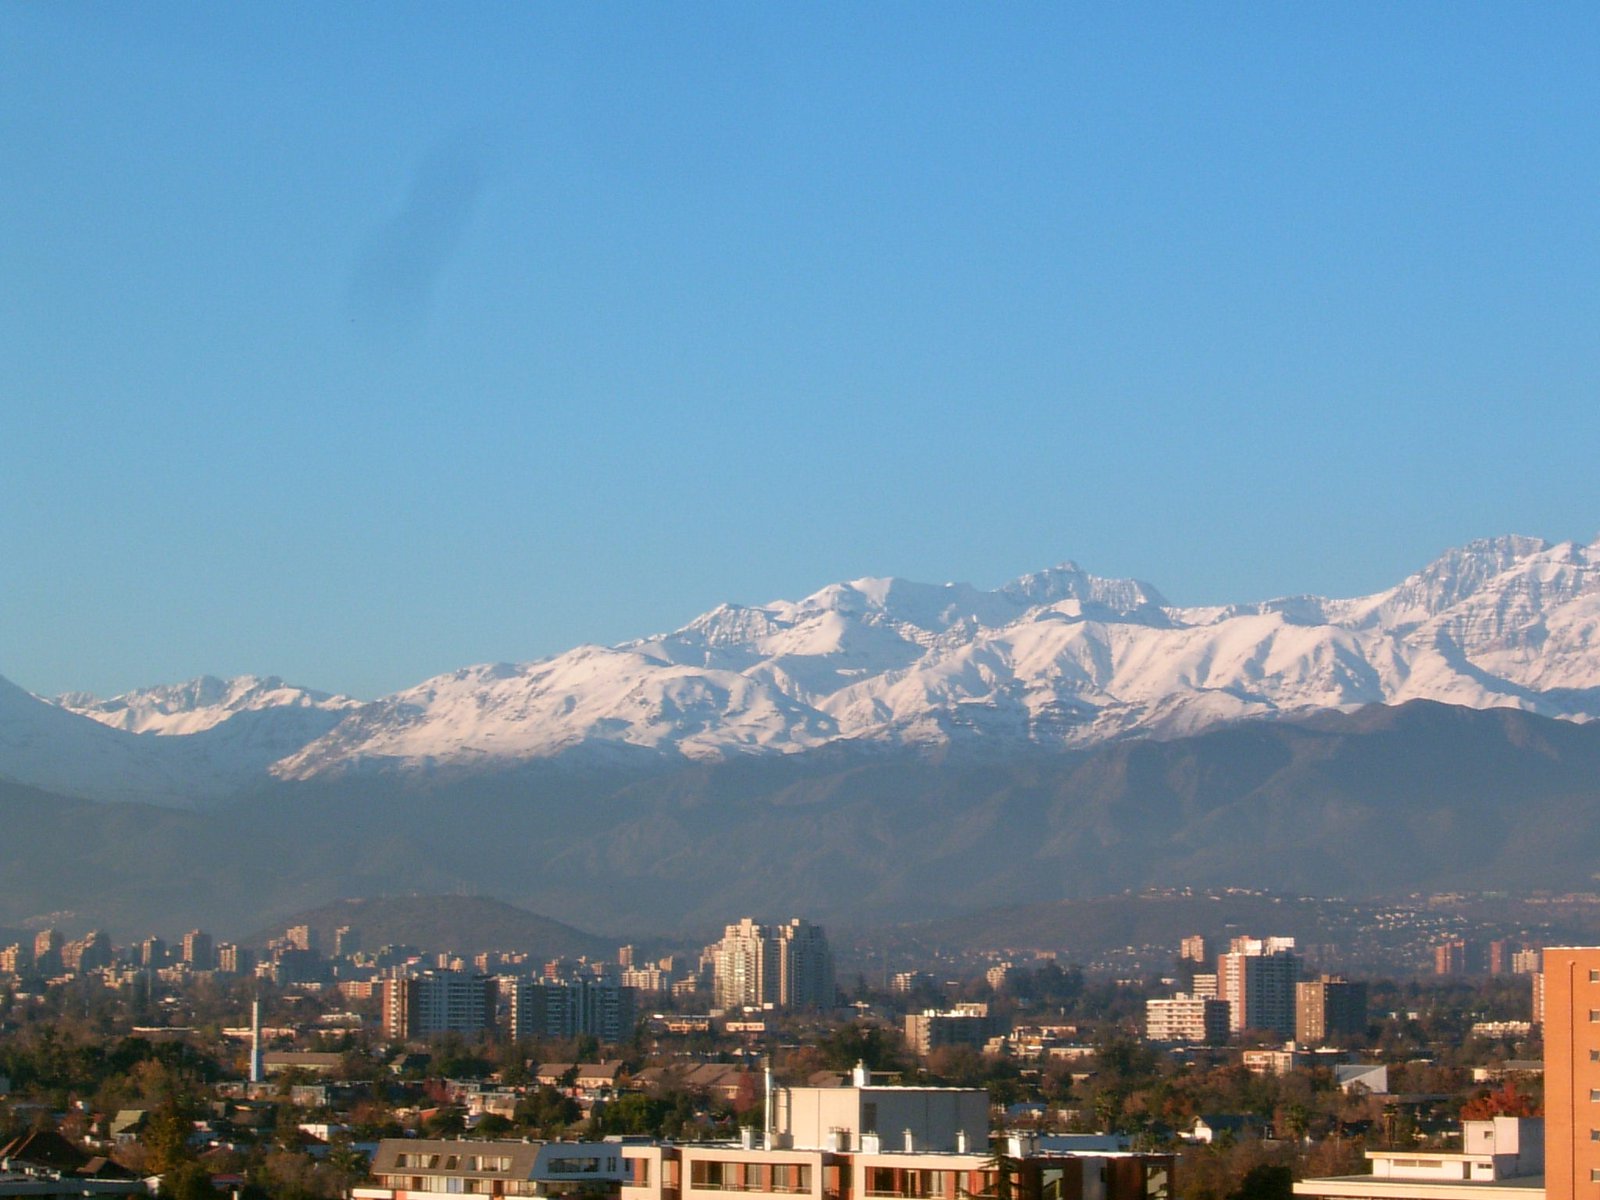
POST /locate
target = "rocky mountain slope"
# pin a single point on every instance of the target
(1053, 660)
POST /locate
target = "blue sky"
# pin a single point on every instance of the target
(358, 343)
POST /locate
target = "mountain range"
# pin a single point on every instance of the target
(1057, 660)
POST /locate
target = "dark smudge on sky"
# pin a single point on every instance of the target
(394, 276)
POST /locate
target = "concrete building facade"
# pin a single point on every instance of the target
(1184, 1018)
(438, 1002)
(782, 966)
(1500, 1159)
(823, 1143)
(571, 1008)
(965, 1025)
(1572, 1072)
(1329, 1007)
(1257, 978)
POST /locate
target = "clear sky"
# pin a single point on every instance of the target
(355, 343)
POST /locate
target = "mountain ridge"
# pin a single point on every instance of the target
(459, 924)
(1057, 658)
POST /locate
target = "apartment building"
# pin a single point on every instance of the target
(422, 1168)
(781, 966)
(1500, 1159)
(1257, 978)
(569, 1008)
(1452, 957)
(1185, 1018)
(437, 1002)
(910, 1143)
(199, 951)
(865, 1117)
(822, 1143)
(1572, 1072)
(1329, 1007)
(964, 1025)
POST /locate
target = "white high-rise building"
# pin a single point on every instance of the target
(744, 970)
(782, 966)
(1185, 1018)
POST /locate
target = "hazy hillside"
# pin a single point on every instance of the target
(462, 924)
(1385, 801)
(1378, 936)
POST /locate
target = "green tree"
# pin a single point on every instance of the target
(187, 1181)
(547, 1111)
(1265, 1181)
(850, 1044)
(445, 1123)
(165, 1136)
(633, 1113)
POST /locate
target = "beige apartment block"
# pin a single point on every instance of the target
(1572, 1072)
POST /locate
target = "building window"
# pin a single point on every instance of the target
(706, 1175)
(881, 1181)
(869, 1109)
(1594, 1093)
(714, 1176)
(560, 1166)
(791, 1177)
(1594, 1175)
(1594, 975)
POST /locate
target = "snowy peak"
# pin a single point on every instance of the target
(198, 704)
(1056, 658)
(1457, 575)
(48, 746)
(592, 699)
(1068, 581)
(929, 607)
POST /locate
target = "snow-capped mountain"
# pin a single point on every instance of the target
(204, 703)
(1057, 658)
(46, 746)
(184, 744)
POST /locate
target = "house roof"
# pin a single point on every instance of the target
(1230, 1121)
(45, 1148)
(604, 1071)
(128, 1120)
